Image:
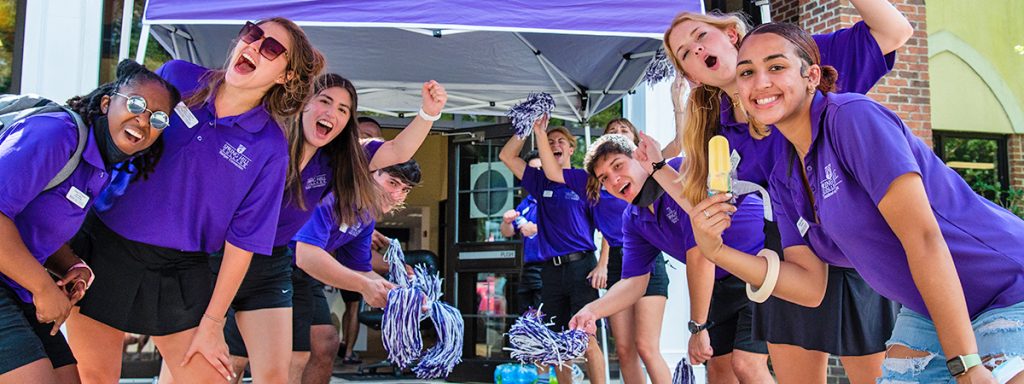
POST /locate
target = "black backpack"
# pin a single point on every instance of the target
(17, 107)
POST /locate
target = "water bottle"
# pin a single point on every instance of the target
(520, 222)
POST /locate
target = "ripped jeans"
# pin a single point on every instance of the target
(998, 332)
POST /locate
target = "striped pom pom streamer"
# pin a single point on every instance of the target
(684, 373)
(660, 69)
(396, 264)
(524, 114)
(400, 326)
(447, 353)
(532, 341)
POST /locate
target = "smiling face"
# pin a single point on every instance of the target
(326, 116)
(773, 81)
(619, 128)
(249, 69)
(131, 132)
(707, 53)
(369, 130)
(393, 187)
(620, 175)
(563, 148)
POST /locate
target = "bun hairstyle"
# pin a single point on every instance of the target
(129, 74)
(806, 49)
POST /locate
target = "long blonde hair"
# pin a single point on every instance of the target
(703, 108)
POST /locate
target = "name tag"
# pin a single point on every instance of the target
(186, 115)
(77, 197)
(549, 193)
(343, 227)
(802, 226)
(735, 159)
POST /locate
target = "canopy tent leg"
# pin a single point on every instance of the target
(140, 54)
(127, 13)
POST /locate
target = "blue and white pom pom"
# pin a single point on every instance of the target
(684, 373)
(396, 264)
(400, 326)
(660, 69)
(524, 114)
(447, 353)
(532, 341)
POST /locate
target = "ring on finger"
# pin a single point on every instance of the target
(706, 215)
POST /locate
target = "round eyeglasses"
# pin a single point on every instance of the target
(137, 105)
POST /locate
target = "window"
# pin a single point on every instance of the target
(110, 46)
(979, 158)
(8, 30)
(485, 190)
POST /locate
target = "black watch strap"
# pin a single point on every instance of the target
(656, 166)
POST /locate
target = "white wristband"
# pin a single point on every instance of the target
(427, 117)
(770, 278)
(92, 275)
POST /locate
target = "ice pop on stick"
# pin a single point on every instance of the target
(719, 165)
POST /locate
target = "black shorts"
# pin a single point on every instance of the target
(23, 340)
(732, 314)
(852, 320)
(267, 283)
(321, 310)
(142, 288)
(351, 296)
(301, 299)
(658, 284)
(566, 289)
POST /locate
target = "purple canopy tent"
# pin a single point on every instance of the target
(488, 54)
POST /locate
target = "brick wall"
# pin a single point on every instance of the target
(1015, 148)
(904, 90)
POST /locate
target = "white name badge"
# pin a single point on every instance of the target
(735, 158)
(186, 115)
(802, 226)
(343, 227)
(77, 197)
(549, 193)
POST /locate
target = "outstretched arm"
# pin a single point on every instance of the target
(888, 26)
(402, 147)
(552, 170)
(510, 156)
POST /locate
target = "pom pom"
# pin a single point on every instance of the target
(400, 326)
(660, 69)
(396, 264)
(447, 353)
(524, 114)
(532, 341)
(684, 373)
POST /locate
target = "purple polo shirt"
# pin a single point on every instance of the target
(221, 180)
(563, 220)
(852, 161)
(371, 146)
(531, 249)
(646, 234)
(855, 55)
(350, 245)
(316, 181)
(607, 213)
(32, 152)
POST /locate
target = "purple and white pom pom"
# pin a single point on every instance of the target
(400, 326)
(524, 114)
(396, 264)
(684, 373)
(532, 341)
(429, 283)
(447, 353)
(660, 69)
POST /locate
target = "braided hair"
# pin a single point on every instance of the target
(129, 73)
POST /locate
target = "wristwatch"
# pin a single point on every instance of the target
(695, 327)
(959, 365)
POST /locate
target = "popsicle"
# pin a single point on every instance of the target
(719, 165)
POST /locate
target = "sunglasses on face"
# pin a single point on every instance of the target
(137, 105)
(270, 49)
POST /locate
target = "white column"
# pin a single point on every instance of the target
(62, 47)
(650, 109)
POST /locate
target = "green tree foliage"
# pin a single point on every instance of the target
(8, 14)
(984, 181)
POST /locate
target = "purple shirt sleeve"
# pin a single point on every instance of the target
(856, 56)
(533, 182)
(317, 231)
(254, 223)
(356, 253)
(185, 76)
(30, 156)
(638, 254)
(371, 146)
(860, 131)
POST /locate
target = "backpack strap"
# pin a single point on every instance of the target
(69, 167)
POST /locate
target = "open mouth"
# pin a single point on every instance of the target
(558, 155)
(324, 127)
(766, 100)
(133, 134)
(625, 187)
(711, 61)
(245, 64)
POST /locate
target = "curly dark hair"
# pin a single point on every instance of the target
(129, 73)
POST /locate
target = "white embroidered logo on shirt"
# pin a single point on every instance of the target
(317, 181)
(570, 195)
(830, 184)
(235, 156)
(672, 215)
(353, 230)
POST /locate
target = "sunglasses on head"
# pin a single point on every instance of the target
(137, 105)
(270, 49)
